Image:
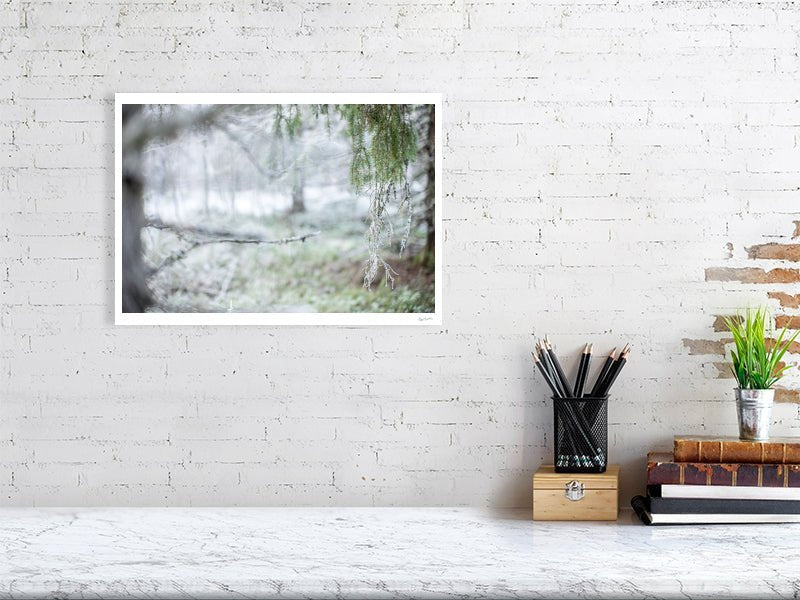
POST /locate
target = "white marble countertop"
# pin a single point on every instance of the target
(382, 553)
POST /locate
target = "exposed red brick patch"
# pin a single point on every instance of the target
(719, 321)
(790, 321)
(771, 278)
(786, 300)
(753, 275)
(775, 252)
(794, 347)
(723, 370)
(712, 347)
(782, 395)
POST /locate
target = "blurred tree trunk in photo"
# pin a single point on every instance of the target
(297, 156)
(298, 200)
(172, 174)
(234, 183)
(139, 128)
(205, 175)
(136, 296)
(429, 254)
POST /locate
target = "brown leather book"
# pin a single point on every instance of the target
(781, 451)
(663, 469)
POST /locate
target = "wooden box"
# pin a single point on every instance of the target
(575, 496)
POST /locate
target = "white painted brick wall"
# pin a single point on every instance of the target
(598, 157)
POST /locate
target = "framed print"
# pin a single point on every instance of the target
(278, 209)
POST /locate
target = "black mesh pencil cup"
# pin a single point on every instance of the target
(581, 434)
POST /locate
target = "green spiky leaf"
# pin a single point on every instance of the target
(753, 363)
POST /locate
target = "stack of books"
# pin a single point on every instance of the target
(722, 480)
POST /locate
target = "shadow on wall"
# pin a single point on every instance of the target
(537, 434)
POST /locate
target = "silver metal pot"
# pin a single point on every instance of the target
(754, 409)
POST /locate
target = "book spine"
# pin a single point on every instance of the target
(744, 474)
(706, 506)
(733, 451)
(639, 505)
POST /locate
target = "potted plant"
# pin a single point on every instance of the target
(757, 367)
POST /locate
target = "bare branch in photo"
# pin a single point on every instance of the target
(204, 236)
(225, 235)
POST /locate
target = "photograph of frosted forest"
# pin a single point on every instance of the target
(278, 208)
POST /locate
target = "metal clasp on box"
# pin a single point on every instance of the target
(573, 490)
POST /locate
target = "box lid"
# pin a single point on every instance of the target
(547, 479)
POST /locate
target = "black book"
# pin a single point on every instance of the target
(713, 506)
(639, 505)
(642, 505)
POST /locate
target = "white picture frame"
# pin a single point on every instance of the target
(278, 318)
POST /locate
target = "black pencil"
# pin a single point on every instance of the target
(545, 366)
(611, 372)
(583, 369)
(564, 460)
(559, 371)
(545, 374)
(547, 360)
(614, 373)
(579, 372)
(598, 383)
(540, 355)
(547, 363)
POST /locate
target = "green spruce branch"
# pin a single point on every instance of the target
(383, 142)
